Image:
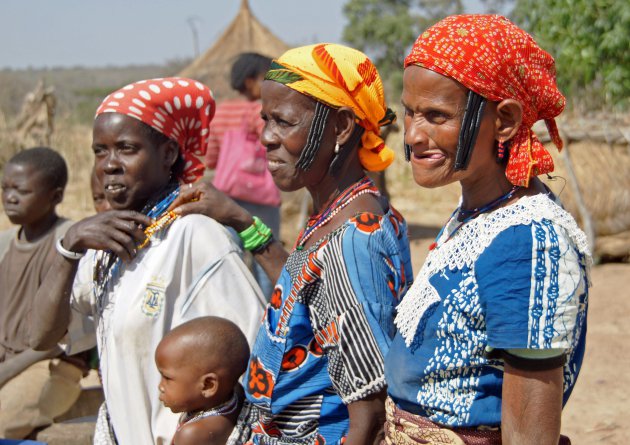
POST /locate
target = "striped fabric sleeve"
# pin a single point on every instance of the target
(356, 362)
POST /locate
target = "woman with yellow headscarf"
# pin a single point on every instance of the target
(316, 371)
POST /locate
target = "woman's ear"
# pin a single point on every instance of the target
(209, 385)
(171, 152)
(509, 117)
(344, 125)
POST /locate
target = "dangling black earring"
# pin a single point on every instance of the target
(407, 149)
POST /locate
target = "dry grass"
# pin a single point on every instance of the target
(425, 210)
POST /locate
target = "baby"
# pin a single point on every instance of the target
(200, 363)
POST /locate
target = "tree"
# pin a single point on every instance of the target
(386, 29)
(383, 29)
(589, 40)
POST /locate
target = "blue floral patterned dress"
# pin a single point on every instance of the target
(326, 330)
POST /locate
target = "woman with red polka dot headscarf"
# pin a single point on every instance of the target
(491, 334)
(152, 270)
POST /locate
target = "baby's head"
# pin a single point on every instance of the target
(200, 362)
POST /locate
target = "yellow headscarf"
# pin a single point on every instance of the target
(340, 76)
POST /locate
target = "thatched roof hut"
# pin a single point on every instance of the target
(593, 179)
(244, 34)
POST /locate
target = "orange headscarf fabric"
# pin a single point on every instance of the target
(340, 76)
(179, 108)
(491, 56)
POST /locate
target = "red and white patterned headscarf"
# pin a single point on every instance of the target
(179, 108)
(491, 56)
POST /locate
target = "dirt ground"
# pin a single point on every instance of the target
(599, 409)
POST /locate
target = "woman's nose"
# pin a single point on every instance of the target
(112, 163)
(415, 134)
(268, 137)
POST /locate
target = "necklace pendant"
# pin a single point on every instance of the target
(300, 247)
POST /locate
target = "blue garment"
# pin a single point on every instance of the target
(327, 327)
(509, 281)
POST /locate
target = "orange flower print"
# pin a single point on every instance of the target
(260, 381)
(276, 298)
(367, 222)
(294, 358)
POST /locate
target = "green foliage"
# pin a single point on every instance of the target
(590, 40)
(383, 29)
(386, 29)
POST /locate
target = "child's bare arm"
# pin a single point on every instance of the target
(213, 430)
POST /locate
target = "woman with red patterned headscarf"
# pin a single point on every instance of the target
(491, 335)
(149, 270)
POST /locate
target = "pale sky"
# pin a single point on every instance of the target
(46, 33)
(53, 33)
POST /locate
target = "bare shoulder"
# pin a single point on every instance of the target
(213, 430)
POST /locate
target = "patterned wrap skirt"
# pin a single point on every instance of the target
(405, 428)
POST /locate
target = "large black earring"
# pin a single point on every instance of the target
(314, 138)
(407, 149)
(471, 122)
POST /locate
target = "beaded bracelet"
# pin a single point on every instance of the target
(67, 253)
(263, 246)
(256, 235)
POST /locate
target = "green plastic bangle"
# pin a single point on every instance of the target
(255, 235)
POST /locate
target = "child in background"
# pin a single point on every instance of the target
(35, 386)
(230, 118)
(98, 194)
(200, 363)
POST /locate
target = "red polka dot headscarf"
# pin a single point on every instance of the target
(491, 56)
(179, 108)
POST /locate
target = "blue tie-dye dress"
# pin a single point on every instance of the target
(512, 279)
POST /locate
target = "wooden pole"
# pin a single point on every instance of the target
(587, 220)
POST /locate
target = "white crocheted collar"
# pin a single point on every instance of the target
(468, 243)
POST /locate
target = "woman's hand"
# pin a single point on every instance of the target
(119, 231)
(203, 198)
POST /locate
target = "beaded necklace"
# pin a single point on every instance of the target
(163, 219)
(107, 263)
(225, 408)
(365, 185)
(468, 215)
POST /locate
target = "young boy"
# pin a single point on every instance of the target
(200, 362)
(35, 386)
